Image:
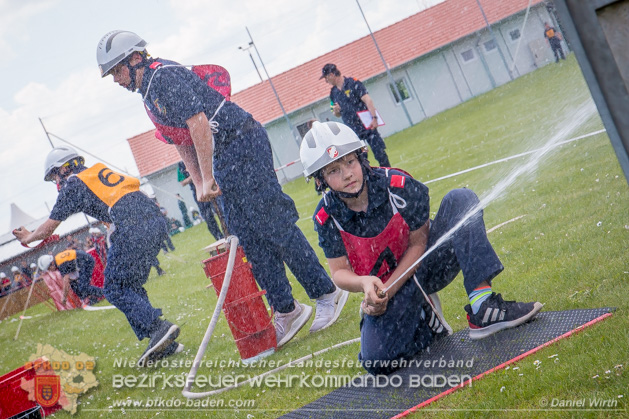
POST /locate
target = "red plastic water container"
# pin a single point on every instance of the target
(244, 308)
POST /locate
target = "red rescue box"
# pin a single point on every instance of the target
(14, 399)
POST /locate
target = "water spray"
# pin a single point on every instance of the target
(580, 116)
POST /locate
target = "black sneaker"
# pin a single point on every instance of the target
(163, 336)
(495, 314)
(172, 349)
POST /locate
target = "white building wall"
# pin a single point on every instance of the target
(165, 187)
(436, 81)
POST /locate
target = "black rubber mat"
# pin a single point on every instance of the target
(455, 358)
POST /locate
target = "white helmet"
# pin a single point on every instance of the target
(14, 269)
(3, 275)
(33, 266)
(327, 142)
(114, 47)
(44, 262)
(57, 157)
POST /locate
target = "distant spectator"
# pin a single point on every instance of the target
(184, 211)
(5, 283)
(34, 274)
(554, 40)
(174, 226)
(168, 243)
(73, 243)
(18, 278)
(26, 272)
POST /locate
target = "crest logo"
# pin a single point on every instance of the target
(47, 390)
(160, 108)
(332, 152)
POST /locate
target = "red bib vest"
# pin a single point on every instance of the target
(214, 76)
(379, 255)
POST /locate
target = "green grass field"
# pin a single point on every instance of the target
(568, 251)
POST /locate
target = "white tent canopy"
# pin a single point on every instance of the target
(19, 218)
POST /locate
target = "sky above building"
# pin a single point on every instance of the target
(50, 82)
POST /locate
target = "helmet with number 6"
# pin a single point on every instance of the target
(61, 156)
(327, 142)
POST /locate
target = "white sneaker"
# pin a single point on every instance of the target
(329, 308)
(288, 324)
(437, 303)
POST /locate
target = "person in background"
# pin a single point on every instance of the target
(27, 273)
(34, 274)
(55, 283)
(18, 278)
(349, 96)
(554, 40)
(167, 243)
(184, 211)
(5, 283)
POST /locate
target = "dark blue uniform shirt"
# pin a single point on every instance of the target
(379, 212)
(82, 260)
(176, 94)
(349, 100)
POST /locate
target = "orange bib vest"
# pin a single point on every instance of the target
(107, 185)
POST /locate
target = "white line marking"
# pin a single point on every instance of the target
(506, 222)
(513, 157)
(90, 308)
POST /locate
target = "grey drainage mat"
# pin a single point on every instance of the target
(455, 358)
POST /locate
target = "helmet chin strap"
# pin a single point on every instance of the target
(132, 69)
(75, 167)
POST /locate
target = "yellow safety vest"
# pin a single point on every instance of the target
(65, 256)
(107, 185)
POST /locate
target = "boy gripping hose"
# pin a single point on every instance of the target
(374, 224)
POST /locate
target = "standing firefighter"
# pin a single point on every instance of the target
(554, 40)
(374, 224)
(137, 229)
(223, 146)
(348, 96)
